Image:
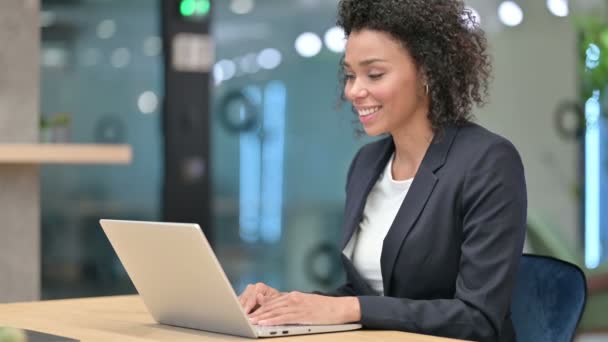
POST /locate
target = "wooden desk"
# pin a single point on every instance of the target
(125, 318)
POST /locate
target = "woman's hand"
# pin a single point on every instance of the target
(255, 295)
(304, 308)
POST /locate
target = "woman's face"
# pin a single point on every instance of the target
(382, 82)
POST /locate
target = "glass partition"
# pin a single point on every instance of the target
(101, 82)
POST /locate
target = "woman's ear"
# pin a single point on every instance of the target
(423, 85)
(423, 82)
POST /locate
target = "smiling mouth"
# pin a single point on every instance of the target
(368, 111)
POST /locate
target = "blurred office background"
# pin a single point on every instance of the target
(278, 148)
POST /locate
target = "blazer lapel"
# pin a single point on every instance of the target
(375, 164)
(414, 202)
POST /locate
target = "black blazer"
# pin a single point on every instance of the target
(450, 258)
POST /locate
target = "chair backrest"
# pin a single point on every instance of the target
(548, 301)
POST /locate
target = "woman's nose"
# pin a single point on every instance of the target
(356, 91)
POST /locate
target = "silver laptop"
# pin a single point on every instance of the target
(182, 283)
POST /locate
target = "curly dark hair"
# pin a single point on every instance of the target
(447, 48)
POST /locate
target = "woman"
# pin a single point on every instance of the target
(435, 212)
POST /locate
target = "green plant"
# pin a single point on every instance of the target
(593, 54)
(12, 335)
(56, 120)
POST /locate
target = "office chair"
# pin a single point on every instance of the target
(546, 238)
(548, 300)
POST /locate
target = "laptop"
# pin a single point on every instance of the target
(182, 283)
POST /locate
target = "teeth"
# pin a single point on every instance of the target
(368, 111)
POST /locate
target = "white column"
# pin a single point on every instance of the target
(19, 184)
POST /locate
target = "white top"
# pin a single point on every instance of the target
(365, 246)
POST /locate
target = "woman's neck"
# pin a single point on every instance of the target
(411, 145)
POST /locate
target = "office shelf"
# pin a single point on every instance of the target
(64, 154)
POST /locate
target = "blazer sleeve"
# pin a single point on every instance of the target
(494, 204)
(344, 290)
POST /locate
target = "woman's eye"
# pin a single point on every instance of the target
(349, 76)
(375, 76)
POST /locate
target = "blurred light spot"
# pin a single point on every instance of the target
(106, 29)
(120, 58)
(152, 46)
(228, 69)
(308, 44)
(269, 58)
(593, 56)
(218, 74)
(241, 6)
(558, 8)
(54, 58)
(335, 40)
(510, 13)
(474, 20)
(147, 102)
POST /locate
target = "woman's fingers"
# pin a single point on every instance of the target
(250, 304)
(271, 304)
(273, 314)
(255, 295)
(243, 297)
(248, 298)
